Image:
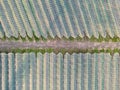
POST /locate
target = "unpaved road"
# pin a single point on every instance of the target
(57, 44)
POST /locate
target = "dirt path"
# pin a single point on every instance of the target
(57, 44)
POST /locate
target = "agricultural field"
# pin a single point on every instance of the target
(50, 71)
(59, 44)
(59, 18)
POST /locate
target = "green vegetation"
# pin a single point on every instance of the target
(63, 51)
(78, 38)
